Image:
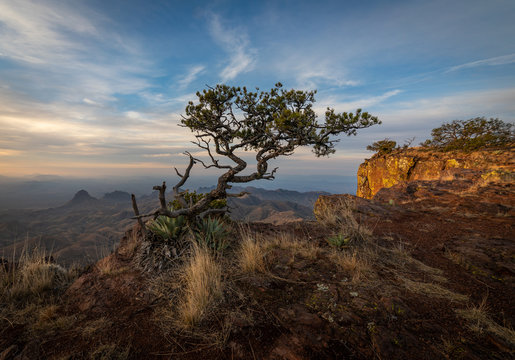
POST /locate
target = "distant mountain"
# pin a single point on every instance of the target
(252, 208)
(117, 196)
(85, 226)
(303, 198)
(82, 198)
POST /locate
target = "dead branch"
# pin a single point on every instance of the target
(162, 198)
(136, 212)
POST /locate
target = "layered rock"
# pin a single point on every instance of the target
(384, 171)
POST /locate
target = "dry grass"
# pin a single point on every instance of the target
(251, 254)
(480, 322)
(297, 246)
(339, 216)
(432, 290)
(110, 352)
(130, 248)
(203, 287)
(358, 266)
(34, 275)
(48, 313)
(95, 326)
(108, 266)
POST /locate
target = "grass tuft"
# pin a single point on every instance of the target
(203, 287)
(338, 215)
(251, 255)
(479, 322)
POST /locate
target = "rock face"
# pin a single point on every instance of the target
(384, 171)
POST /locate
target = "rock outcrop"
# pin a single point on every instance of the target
(384, 171)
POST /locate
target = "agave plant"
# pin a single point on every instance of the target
(211, 233)
(338, 240)
(170, 229)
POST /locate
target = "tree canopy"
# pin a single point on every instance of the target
(471, 134)
(226, 121)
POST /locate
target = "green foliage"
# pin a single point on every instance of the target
(471, 134)
(169, 229)
(385, 146)
(274, 123)
(338, 240)
(211, 232)
(193, 197)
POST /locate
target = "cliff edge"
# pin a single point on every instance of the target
(387, 170)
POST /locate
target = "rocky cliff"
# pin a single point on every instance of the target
(384, 171)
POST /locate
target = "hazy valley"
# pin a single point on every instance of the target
(86, 228)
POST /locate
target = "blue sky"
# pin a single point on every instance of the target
(96, 88)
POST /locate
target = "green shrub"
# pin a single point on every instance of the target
(193, 197)
(471, 135)
(211, 232)
(385, 146)
(338, 240)
(169, 229)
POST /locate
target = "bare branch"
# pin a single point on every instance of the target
(243, 193)
(162, 198)
(220, 211)
(136, 212)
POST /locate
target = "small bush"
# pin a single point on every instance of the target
(169, 229)
(193, 197)
(385, 146)
(338, 240)
(471, 135)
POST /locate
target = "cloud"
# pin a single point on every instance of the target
(310, 73)
(191, 75)
(494, 61)
(34, 31)
(235, 42)
(68, 52)
(405, 119)
(363, 103)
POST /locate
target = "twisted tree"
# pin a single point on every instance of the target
(228, 121)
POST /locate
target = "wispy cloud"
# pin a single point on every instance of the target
(494, 61)
(34, 31)
(69, 52)
(191, 75)
(362, 103)
(311, 72)
(235, 42)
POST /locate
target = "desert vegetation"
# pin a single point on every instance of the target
(472, 134)
(228, 120)
(365, 279)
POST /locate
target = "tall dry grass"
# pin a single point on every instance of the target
(251, 254)
(339, 216)
(33, 274)
(202, 279)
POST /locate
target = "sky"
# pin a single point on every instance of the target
(97, 88)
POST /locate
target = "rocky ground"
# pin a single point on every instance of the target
(426, 272)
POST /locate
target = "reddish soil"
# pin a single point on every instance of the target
(305, 308)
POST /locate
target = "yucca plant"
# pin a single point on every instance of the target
(338, 240)
(169, 229)
(211, 232)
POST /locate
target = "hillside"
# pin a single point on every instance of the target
(423, 270)
(86, 228)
